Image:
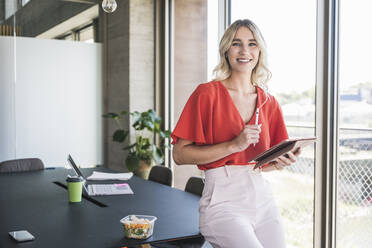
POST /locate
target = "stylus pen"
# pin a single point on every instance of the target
(256, 121)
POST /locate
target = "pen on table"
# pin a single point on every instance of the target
(256, 121)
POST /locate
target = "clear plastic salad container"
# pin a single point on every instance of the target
(138, 226)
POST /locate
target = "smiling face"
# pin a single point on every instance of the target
(244, 52)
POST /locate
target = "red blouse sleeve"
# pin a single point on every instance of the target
(193, 120)
(278, 130)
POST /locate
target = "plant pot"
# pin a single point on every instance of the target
(143, 170)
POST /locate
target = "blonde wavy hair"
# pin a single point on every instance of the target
(260, 74)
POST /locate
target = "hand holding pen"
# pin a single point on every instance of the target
(258, 113)
(250, 133)
(248, 136)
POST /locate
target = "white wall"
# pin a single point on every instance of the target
(58, 101)
(7, 79)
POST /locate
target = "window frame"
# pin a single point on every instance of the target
(326, 124)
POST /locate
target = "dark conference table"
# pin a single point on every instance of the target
(33, 201)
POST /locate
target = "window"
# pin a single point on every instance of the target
(87, 34)
(354, 212)
(290, 35)
(84, 34)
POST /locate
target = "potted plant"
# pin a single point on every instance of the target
(143, 153)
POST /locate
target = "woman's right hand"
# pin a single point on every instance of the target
(248, 136)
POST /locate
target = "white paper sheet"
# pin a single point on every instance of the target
(110, 176)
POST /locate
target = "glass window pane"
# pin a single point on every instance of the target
(87, 34)
(354, 212)
(290, 35)
(68, 37)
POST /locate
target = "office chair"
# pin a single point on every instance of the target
(161, 174)
(19, 165)
(195, 185)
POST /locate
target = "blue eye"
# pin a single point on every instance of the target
(236, 44)
(252, 44)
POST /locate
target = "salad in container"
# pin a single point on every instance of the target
(138, 226)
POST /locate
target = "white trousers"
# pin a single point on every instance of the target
(237, 210)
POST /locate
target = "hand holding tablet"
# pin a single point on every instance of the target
(281, 149)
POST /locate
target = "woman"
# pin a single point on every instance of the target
(224, 124)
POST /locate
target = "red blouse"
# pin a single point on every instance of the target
(210, 117)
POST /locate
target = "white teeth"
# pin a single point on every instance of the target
(244, 60)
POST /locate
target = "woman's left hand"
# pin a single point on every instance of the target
(286, 160)
(283, 161)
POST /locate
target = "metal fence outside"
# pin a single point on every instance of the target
(354, 187)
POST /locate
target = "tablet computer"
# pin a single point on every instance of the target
(280, 149)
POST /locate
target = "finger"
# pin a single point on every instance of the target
(297, 152)
(252, 133)
(252, 140)
(254, 137)
(275, 160)
(249, 136)
(253, 127)
(251, 130)
(291, 157)
(248, 130)
(284, 161)
(276, 165)
(279, 166)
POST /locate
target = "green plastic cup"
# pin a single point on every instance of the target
(75, 188)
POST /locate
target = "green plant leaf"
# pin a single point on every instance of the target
(136, 125)
(157, 127)
(136, 115)
(149, 124)
(155, 116)
(132, 161)
(145, 145)
(167, 133)
(146, 120)
(162, 134)
(145, 114)
(110, 115)
(123, 112)
(120, 135)
(157, 154)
